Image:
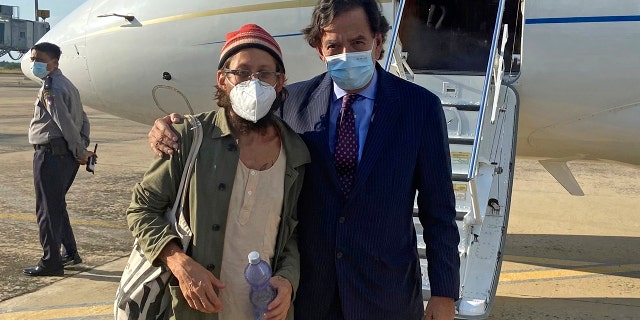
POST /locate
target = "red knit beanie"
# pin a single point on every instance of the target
(250, 36)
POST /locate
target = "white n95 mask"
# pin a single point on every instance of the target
(252, 99)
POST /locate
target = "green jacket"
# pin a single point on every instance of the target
(209, 193)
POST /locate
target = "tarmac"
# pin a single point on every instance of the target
(566, 257)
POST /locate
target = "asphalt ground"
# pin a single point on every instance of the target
(566, 257)
(96, 202)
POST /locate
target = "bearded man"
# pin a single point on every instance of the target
(242, 194)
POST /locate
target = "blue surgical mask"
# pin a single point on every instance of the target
(351, 70)
(39, 69)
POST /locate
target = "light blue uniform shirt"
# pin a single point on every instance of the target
(362, 108)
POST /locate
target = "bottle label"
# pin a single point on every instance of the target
(262, 297)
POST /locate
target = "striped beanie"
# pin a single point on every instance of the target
(249, 36)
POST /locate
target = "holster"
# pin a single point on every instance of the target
(59, 147)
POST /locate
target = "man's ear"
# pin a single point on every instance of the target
(378, 50)
(320, 54)
(281, 79)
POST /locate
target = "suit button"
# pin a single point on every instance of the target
(222, 187)
(341, 219)
(215, 227)
(231, 147)
(339, 255)
(211, 267)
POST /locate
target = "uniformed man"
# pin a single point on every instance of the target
(59, 133)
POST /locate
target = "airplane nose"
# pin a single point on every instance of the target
(25, 65)
(70, 35)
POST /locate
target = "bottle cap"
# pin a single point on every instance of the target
(254, 257)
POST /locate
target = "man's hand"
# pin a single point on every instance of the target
(196, 283)
(440, 308)
(279, 307)
(162, 138)
(87, 155)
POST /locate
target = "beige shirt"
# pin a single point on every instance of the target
(58, 113)
(252, 225)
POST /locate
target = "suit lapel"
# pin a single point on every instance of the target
(380, 134)
(318, 119)
(384, 118)
(318, 108)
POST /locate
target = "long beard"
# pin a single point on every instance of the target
(239, 124)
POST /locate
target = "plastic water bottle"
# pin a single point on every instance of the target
(258, 273)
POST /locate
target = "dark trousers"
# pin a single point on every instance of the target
(52, 178)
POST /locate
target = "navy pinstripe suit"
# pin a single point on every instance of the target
(362, 251)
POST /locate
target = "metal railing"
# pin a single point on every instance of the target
(392, 44)
(491, 70)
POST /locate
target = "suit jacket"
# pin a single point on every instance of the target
(363, 247)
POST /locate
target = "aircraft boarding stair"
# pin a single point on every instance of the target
(481, 114)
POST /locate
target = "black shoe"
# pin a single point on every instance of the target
(71, 259)
(42, 271)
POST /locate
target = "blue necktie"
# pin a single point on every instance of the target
(346, 155)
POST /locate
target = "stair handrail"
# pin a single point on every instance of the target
(499, 72)
(485, 91)
(394, 35)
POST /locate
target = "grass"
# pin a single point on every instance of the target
(10, 71)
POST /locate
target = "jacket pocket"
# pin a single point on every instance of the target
(399, 258)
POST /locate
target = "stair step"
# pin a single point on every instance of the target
(459, 177)
(463, 107)
(420, 239)
(460, 158)
(459, 215)
(461, 141)
(461, 124)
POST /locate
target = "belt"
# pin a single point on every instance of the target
(41, 146)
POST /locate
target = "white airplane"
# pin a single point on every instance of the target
(557, 77)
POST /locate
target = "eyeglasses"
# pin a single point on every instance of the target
(244, 75)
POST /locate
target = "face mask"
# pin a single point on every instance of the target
(39, 69)
(351, 70)
(252, 99)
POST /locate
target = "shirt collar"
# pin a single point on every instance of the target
(369, 92)
(221, 124)
(55, 72)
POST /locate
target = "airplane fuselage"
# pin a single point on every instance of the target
(569, 86)
(577, 83)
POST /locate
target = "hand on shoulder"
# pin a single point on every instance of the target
(162, 138)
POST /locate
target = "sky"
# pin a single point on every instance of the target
(58, 9)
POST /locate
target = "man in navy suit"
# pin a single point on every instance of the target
(356, 240)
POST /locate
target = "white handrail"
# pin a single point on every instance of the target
(499, 73)
(485, 91)
(394, 35)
